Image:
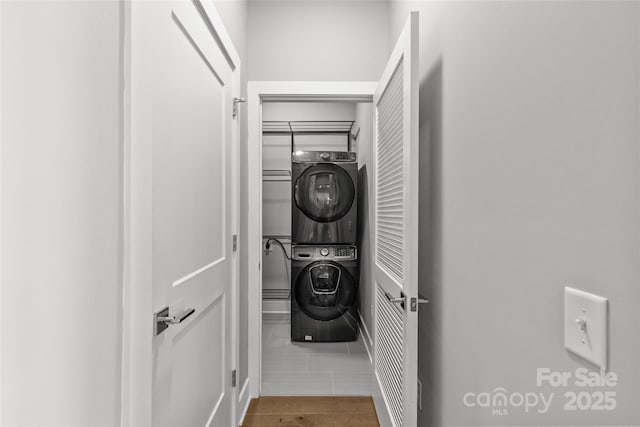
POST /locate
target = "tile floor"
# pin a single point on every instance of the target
(298, 368)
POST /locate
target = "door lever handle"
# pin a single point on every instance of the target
(401, 300)
(416, 301)
(162, 320)
(174, 320)
(390, 297)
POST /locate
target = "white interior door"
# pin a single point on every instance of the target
(396, 229)
(192, 218)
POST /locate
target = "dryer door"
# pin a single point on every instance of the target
(324, 192)
(325, 290)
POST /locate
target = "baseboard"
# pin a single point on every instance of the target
(382, 406)
(379, 400)
(366, 337)
(245, 396)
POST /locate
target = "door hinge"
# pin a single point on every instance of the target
(236, 101)
(233, 378)
(235, 242)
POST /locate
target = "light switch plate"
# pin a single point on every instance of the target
(585, 326)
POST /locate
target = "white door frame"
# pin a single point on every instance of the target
(0, 211)
(257, 93)
(137, 327)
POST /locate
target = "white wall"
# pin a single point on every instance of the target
(308, 111)
(61, 213)
(530, 182)
(317, 40)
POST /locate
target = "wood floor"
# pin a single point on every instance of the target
(311, 411)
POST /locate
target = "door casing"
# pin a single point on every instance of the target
(137, 327)
(259, 92)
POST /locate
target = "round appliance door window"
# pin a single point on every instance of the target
(324, 192)
(325, 290)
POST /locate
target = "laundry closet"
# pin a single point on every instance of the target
(316, 287)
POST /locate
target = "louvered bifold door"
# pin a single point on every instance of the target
(396, 228)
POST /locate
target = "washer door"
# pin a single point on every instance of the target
(324, 192)
(325, 290)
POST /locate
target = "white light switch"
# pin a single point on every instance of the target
(585, 326)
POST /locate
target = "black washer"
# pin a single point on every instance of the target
(325, 290)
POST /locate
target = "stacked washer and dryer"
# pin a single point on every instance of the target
(324, 256)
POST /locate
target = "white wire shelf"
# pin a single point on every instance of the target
(276, 175)
(276, 294)
(316, 127)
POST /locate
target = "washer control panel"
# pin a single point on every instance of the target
(333, 252)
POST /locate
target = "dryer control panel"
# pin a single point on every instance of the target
(323, 157)
(332, 252)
